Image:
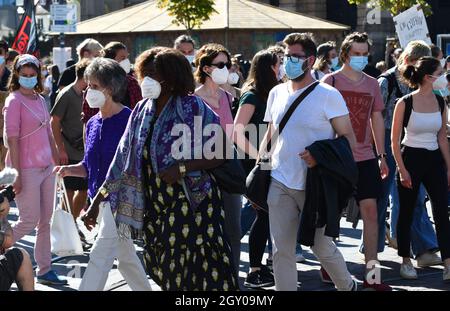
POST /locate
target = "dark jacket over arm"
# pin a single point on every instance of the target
(329, 185)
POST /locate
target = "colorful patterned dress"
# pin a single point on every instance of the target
(184, 250)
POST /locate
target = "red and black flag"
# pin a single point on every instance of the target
(26, 41)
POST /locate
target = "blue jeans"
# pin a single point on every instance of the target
(423, 236)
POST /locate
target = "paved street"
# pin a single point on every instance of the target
(430, 279)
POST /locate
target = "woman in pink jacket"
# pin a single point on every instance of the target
(32, 152)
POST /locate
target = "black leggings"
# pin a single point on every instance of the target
(427, 167)
(258, 237)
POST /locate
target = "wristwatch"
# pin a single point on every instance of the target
(104, 192)
(382, 156)
(182, 169)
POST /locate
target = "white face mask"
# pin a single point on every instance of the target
(233, 78)
(281, 73)
(150, 88)
(126, 65)
(443, 63)
(220, 76)
(95, 98)
(440, 83)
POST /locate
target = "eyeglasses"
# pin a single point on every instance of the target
(220, 65)
(294, 59)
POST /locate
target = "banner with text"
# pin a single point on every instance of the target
(411, 25)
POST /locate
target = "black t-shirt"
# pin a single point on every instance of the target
(4, 80)
(257, 118)
(68, 77)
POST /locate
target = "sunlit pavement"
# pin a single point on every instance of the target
(430, 279)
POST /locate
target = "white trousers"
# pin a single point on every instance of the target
(106, 248)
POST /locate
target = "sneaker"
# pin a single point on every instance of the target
(446, 275)
(257, 279)
(51, 278)
(299, 258)
(381, 287)
(325, 277)
(428, 259)
(266, 271)
(408, 272)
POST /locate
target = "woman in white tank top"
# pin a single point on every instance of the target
(424, 158)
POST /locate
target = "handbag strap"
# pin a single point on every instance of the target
(62, 194)
(291, 110)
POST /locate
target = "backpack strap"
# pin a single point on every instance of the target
(392, 85)
(333, 82)
(316, 74)
(408, 99)
(441, 102)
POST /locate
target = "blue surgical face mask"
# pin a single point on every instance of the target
(444, 92)
(28, 83)
(293, 66)
(358, 63)
(2, 60)
(334, 63)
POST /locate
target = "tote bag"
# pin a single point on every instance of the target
(65, 240)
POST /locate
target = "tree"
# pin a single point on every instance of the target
(189, 13)
(396, 6)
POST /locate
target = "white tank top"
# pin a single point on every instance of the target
(422, 130)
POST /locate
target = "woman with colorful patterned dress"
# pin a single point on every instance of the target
(168, 197)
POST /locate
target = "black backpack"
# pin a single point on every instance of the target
(392, 85)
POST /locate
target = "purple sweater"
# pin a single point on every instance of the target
(102, 138)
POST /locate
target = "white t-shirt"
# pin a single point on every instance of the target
(309, 123)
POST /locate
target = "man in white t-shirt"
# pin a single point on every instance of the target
(321, 115)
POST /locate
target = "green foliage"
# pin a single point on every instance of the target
(189, 13)
(396, 6)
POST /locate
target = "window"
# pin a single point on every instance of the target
(143, 43)
(263, 41)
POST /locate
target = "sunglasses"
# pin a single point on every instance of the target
(222, 64)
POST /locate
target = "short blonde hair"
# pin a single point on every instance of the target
(90, 45)
(413, 51)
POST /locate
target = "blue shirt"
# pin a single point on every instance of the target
(102, 139)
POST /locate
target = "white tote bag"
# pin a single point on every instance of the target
(65, 240)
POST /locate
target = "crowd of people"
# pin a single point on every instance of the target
(335, 127)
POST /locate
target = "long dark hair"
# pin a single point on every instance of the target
(261, 78)
(54, 71)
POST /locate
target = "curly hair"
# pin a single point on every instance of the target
(205, 57)
(165, 62)
(355, 37)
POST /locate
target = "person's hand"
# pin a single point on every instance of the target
(405, 179)
(384, 168)
(4, 208)
(308, 158)
(17, 186)
(90, 218)
(63, 157)
(171, 175)
(62, 171)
